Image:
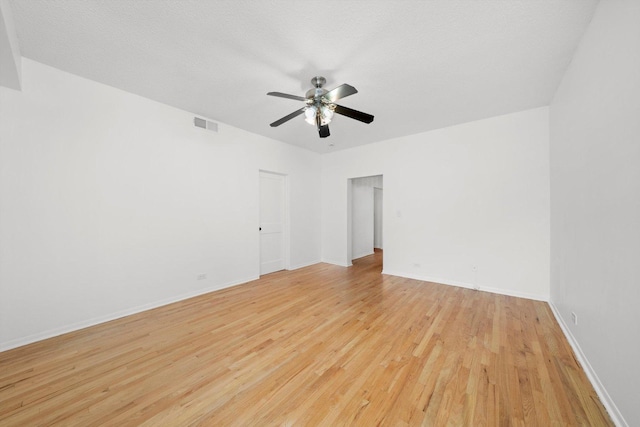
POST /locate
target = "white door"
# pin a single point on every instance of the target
(272, 222)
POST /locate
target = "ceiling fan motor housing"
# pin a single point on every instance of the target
(315, 93)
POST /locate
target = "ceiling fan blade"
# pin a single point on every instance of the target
(286, 95)
(340, 92)
(324, 131)
(354, 114)
(288, 117)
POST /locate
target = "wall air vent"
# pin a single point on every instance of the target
(205, 124)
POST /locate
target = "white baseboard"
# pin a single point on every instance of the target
(334, 262)
(508, 292)
(612, 409)
(305, 264)
(19, 342)
(364, 254)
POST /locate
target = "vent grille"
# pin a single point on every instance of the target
(205, 124)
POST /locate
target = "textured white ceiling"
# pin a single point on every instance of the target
(418, 65)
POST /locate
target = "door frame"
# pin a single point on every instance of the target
(380, 191)
(350, 181)
(286, 230)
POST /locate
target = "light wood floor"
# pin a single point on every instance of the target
(323, 345)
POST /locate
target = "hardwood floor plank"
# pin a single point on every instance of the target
(323, 345)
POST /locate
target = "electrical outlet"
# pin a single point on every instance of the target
(201, 276)
(574, 317)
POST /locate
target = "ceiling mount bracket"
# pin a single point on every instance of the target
(318, 81)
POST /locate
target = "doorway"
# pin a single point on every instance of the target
(273, 222)
(364, 212)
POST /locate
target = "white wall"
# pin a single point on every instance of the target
(111, 203)
(475, 194)
(595, 203)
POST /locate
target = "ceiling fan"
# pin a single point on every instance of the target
(320, 106)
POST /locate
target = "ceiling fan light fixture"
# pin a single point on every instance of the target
(310, 114)
(327, 113)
